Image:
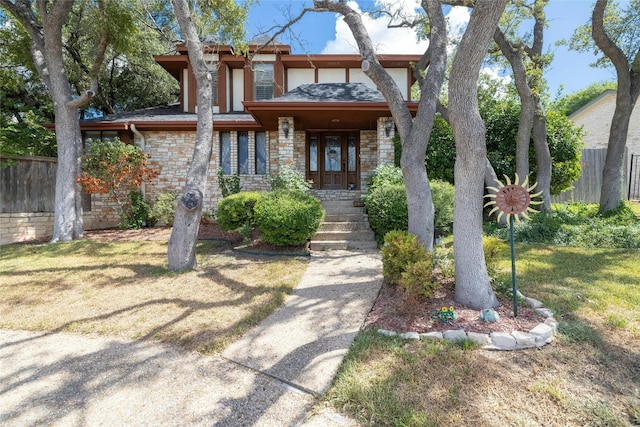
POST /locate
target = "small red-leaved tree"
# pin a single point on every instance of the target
(115, 168)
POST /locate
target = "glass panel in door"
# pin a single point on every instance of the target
(332, 162)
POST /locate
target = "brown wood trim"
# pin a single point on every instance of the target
(222, 88)
(192, 97)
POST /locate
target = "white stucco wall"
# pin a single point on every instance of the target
(595, 119)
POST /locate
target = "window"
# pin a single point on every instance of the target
(214, 84)
(313, 154)
(264, 81)
(261, 153)
(92, 136)
(225, 152)
(243, 153)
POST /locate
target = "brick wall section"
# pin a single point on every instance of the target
(23, 227)
(171, 154)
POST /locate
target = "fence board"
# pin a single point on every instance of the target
(587, 188)
(28, 185)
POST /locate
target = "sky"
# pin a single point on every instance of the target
(326, 33)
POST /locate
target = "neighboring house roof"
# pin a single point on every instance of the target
(597, 100)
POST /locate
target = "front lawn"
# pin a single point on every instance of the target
(124, 289)
(588, 376)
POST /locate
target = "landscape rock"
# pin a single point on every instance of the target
(503, 340)
(410, 336)
(431, 336)
(455, 335)
(387, 333)
(524, 339)
(482, 339)
(543, 333)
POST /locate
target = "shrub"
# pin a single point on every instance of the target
(289, 178)
(387, 209)
(136, 214)
(237, 210)
(443, 195)
(164, 209)
(229, 184)
(384, 175)
(287, 217)
(492, 247)
(577, 224)
(399, 252)
(418, 279)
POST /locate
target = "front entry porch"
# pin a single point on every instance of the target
(333, 160)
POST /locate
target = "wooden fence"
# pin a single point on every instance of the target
(587, 188)
(28, 185)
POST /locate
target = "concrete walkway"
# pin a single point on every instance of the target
(267, 378)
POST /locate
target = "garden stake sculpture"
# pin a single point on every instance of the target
(513, 200)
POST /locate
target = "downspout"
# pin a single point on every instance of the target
(141, 145)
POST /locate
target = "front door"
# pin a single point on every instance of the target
(333, 160)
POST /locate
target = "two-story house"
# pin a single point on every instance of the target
(319, 113)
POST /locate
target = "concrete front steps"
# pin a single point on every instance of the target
(345, 227)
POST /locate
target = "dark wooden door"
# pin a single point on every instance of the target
(333, 160)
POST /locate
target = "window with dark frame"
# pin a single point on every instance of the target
(263, 81)
(261, 153)
(243, 153)
(225, 152)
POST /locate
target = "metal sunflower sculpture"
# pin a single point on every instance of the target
(513, 200)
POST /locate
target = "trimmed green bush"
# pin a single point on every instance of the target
(443, 195)
(289, 178)
(236, 210)
(287, 217)
(400, 251)
(418, 279)
(383, 175)
(387, 209)
(164, 209)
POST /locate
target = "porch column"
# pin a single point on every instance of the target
(386, 132)
(285, 140)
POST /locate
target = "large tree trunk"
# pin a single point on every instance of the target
(181, 253)
(543, 156)
(414, 134)
(473, 287)
(44, 22)
(628, 74)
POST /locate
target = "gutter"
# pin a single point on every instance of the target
(143, 143)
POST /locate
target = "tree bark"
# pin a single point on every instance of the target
(532, 113)
(628, 74)
(181, 253)
(414, 134)
(473, 287)
(45, 31)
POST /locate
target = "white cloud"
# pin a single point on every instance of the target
(385, 40)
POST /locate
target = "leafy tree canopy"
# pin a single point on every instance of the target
(622, 23)
(572, 102)
(501, 114)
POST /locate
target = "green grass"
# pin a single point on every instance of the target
(587, 376)
(125, 289)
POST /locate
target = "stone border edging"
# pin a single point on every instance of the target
(537, 337)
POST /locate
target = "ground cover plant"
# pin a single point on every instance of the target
(589, 375)
(124, 289)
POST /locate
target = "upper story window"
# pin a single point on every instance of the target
(214, 84)
(263, 81)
